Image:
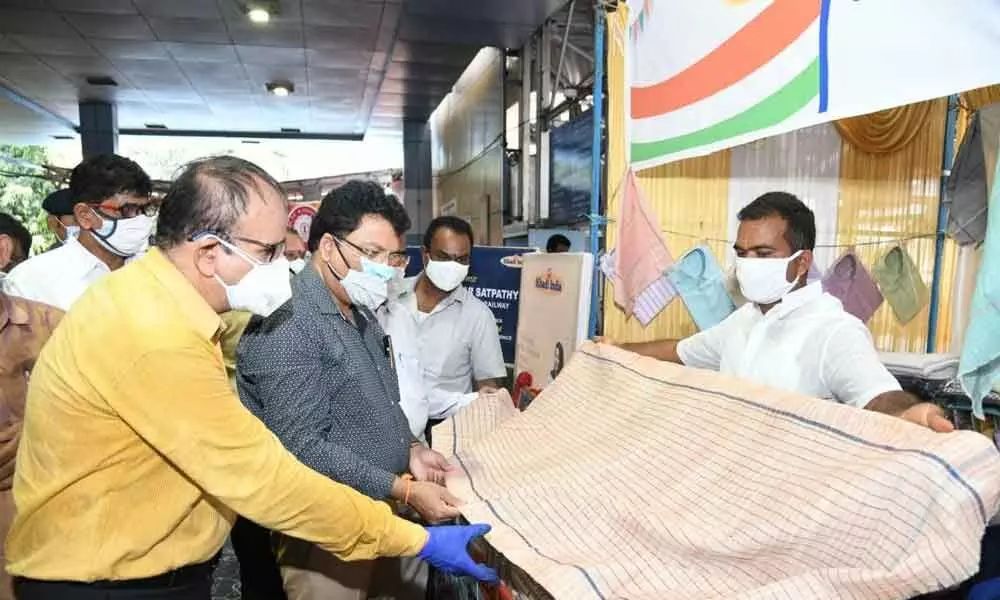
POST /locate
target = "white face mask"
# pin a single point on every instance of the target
(297, 265)
(764, 280)
(263, 289)
(368, 287)
(446, 275)
(125, 237)
(69, 232)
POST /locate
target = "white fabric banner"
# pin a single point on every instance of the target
(805, 163)
(702, 76)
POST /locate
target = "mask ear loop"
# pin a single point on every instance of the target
(329, 265)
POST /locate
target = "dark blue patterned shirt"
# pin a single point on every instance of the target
(326, 388)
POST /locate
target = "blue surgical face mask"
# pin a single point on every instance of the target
(383, 272)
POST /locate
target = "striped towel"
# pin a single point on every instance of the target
(635, 478)
(652, 300)
(642, 255)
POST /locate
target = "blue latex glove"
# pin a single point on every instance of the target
(447, 549)
(987, 590)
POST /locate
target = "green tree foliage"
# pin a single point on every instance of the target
(22, 190)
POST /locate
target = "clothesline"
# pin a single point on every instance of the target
(879, 242)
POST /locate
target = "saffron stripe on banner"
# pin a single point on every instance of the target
(752, 47)
(770, 111)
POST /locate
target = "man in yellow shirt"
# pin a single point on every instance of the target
(136, 455)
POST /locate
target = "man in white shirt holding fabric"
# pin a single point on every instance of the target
(791, 335)
(115, 213)
(444, 340)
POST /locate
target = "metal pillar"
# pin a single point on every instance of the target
(417, 175)
(98, 128)
(595, 178)
(524, 115)
(543, 102)
(942, 221)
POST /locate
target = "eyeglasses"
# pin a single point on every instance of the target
(128, 210)
(393, 259)
(270, 251)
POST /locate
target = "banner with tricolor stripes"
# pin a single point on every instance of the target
(710, 74)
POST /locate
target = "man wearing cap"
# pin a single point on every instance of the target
(15, 243)
(115, 212)
(58, 207)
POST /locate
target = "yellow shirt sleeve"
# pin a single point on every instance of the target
(179, 401)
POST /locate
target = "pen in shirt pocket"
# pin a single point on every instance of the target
(389, 353)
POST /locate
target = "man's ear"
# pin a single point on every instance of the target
(805, 263)
(86, 218)
(6, 251)
(205, 255)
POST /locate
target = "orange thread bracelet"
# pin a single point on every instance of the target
(409, 481)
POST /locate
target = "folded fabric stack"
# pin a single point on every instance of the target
(927, 366)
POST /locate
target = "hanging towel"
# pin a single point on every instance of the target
(901, 284)
(642, 256)
(971, 179)
(979, 367)
(652, 300)
(850, 282)
(700, 283)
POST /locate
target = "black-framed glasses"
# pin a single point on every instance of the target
(393, 259)
(271, 251)
(129, 210)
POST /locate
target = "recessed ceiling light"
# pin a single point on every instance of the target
(260, 16)
(102, 80)
(280, 88)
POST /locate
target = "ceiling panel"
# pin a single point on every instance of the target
(190, 30)
(201, 64)
(110, 27)
(201, 9)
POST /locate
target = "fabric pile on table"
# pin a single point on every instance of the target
(632, 478)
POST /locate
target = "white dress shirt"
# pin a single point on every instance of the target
(806, 344)
(438, 355)
(57, 277)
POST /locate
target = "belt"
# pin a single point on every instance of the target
(185, 575)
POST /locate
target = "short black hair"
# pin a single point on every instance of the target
(800, 232)
(557, 240)
(459, 226)
(210, 195)
(12, 227)
(100, 177)
(342, 210)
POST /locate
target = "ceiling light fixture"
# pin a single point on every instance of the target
(258, 15)
(280, 89)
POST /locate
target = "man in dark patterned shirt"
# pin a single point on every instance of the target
(319, 373)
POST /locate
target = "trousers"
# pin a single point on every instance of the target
(188, 583)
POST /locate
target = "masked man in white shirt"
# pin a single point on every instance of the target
(115, 213)
(790, 334)
(444, 340)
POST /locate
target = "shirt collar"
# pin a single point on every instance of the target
(409, 288)
(797, 299)
(310, 284)
(79, 254)
(206, 322)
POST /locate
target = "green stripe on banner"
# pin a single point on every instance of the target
(770, 111)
